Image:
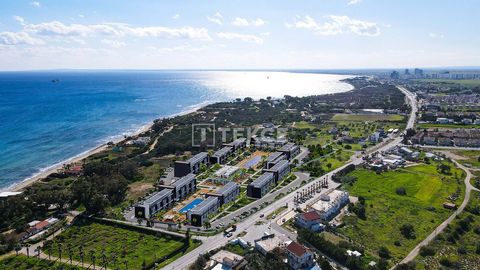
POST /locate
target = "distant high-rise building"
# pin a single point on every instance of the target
(418, 73)
(407, 72)
(395, 75)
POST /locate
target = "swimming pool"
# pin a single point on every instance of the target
(191, 205)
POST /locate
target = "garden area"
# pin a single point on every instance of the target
(22, 262)
(116, 245)
(397, 209)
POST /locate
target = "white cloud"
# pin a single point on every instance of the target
(176, 16)
(238, 21)
(354, 2)
(242, 37)
(217, 18)
(56, 28)
(18, 38)
(436, 35)
(35, 3)
(337, 25)
(19, 20)
(81, 16)
(113, 43)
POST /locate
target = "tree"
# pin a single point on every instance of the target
(401, 191)
(408, 231)
(383, 252)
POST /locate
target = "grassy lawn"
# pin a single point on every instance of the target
(29, 263)
(304, 125)
(458, 245)
(129, 245)
(386, 211)
(367, 117)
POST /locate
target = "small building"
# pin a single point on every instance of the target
(226, 260)
(199, 214)
(140, 141)
(274, 158)
(182, 187)
(221, 155)
(226, 171)
(268, 243)
(291, 150)
(279, 170)
(450, 206)
(330, 204)
(261, 186)
(299, 257)
(310, 220)
(227, 193)
(159, 201)
(191, 165)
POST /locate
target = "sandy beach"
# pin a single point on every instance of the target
(27, 182)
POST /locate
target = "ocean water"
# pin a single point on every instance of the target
(43, 123)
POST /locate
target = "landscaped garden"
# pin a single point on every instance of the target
(117, 245)
(401, 207)
(22, 262)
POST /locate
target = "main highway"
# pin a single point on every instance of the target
(249, 223)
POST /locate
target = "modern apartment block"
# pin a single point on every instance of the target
(227, 193)
(155, 203)
(274, 158)
(199, 214)
(291, 150)
(221, 155)
(237, 144)
(261, 186)
(182, 187)
(279, 170)
(191, 165)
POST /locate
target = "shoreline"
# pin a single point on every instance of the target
(43, 173)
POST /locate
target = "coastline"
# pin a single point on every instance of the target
(45, 172)
(95, 150)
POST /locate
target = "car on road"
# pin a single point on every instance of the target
(262, 215)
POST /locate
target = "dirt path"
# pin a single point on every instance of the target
(443, 225)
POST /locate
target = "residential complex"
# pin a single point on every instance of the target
(221, 155)
(199, 214)
(261, 186)
(191, 165)
(274, 158)
(279, 170)
(227, 193)
(291, 150)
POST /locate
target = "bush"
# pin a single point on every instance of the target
(383, 252)
(408, 231)
(427, 251)
(401, 191)
(446, 262)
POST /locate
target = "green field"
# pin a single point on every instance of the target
(459, 245)
(470, 83)
(367, 117)
(128, 245)
(29, 263)
(445, 126)
(471, 158)
(386, 211)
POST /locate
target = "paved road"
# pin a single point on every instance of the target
(249, 223)
(444, 224)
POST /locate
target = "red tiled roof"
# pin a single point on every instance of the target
(296, 249)
(41, 225)
(310, 216)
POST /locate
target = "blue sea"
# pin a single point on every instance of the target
(49, 117)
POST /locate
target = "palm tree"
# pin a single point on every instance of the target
(80, 251)
(92, 257)
(60, 251)
(104, 259)
(69, 251)
(27, 246)
(17, 249)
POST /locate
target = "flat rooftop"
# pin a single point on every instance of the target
(279, 166)
(262, 180)
(273, 156)
(203, 207)
(222, 152)
(228, 188)
(156, 197)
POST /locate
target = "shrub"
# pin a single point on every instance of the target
(408, 231)
(383, 252)
(401, 191)
(427, 251)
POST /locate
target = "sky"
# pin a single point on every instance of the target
(247, 34)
